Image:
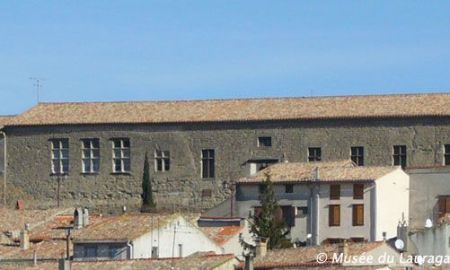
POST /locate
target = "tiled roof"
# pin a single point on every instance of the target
(328, 171)
(5, 119)
(12, 220)
(203, 262)
(122, 228)
(221, 235)
(292, 257)
(413, 105)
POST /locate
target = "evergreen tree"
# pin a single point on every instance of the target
(147, 196)
(265, 224)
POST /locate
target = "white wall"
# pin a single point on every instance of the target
(169, 237)
(392, 201)
(234, 246)
(433, 241)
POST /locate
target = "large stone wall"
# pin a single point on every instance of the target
(28, 151)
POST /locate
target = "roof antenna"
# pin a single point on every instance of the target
(38, 85)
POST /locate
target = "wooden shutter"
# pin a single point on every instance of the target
(279, 215)
(334, 215)
(358, 191)
(335, 192)
(358, 214)
(444, 206)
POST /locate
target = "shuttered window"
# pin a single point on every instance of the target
(358, 215)
(334, 215)
(358, 191)
(444, 205)
(335, 192)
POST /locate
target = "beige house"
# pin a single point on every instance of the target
(332, 201)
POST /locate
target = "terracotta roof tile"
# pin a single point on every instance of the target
(204, 262)
(328, 171)
(307, 255)
(122, 228)
(221, 235)
(412, 105)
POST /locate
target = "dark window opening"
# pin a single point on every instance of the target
(444, 205)
(208, 170)
(289, 188)
(447, 154)
(314, 154)
(399, 155)
(288, 213)
(264, 141)
(357, 155)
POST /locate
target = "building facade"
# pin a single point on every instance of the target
(92, 154)
(331, 201)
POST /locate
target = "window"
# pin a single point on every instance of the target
(399, 156)
(447, 154)
(358, 191)
(208, 163)
(288, 213)
(357, 155)
(358, 215)
(121, 156)
(162, 161)
(90, 251)
(90, 155)
(114, 251)
(314, 154)
(60, 156)
(289, 188)
(155, 252)
(334, 215)
(444, 205)
(335, 192)
(302, 211)
(264, 141)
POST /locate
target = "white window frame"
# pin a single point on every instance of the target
(91, 158)
(164, 158)
(123, 158)
(58, 156)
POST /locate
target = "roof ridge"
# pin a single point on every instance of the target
(242, 98)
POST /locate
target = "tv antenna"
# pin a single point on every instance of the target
(37, 83)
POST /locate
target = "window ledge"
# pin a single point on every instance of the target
(89, 173)
(59, 174)
(121, 173)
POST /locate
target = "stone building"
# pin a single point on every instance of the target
(93, 153)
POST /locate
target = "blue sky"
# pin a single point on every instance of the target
(164, 49)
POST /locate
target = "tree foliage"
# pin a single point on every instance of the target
(147, 195)
(265, 223)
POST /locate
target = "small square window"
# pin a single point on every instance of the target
(264, 141)
(314, 154)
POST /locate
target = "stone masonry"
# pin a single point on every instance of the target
(29, 157)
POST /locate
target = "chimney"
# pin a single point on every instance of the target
(24, 239)
(85, 217)
(261, 247)
(343, 247)
(64, 264)
(316, 174)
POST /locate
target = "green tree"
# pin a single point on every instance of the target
(265, 224)
(147, 195)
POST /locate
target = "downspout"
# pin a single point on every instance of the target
(5, 165)
(130, 249)
(317, 197)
